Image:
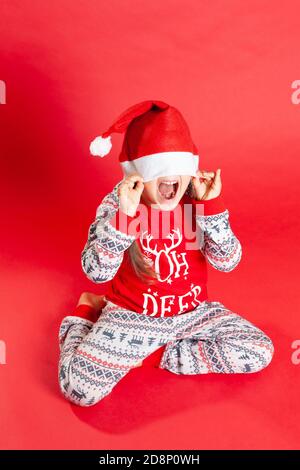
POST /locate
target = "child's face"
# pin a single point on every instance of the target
(165, 191)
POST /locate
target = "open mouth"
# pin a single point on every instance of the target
(168, 188)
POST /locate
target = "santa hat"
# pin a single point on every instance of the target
(157, 141)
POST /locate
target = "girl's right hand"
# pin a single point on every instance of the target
(130, 191)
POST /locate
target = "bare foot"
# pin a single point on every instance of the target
(139, 364)
(95, 301)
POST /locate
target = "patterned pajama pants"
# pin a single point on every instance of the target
(94, 357)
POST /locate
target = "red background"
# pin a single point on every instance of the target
(70, 68)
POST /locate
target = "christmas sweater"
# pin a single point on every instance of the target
(178, 250)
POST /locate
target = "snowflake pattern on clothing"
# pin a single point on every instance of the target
(94, 357)
(105, 258)
(199, 336)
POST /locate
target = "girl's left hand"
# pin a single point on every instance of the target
(207, 184)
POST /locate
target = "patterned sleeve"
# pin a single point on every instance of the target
(218, 243)
(104, 250)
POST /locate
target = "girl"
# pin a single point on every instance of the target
(151, 238)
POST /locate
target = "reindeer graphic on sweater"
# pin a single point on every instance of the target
(169, 265)
(168, 253)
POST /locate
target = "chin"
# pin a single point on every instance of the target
(168, 206)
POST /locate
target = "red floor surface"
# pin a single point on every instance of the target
(70, 69)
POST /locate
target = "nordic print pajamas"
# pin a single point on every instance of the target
(94, 357)
(211, 339)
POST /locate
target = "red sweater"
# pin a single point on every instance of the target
(198, 231)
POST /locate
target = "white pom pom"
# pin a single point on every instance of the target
(101, 146)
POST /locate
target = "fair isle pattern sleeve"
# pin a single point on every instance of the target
(104, 250)
(218, 243)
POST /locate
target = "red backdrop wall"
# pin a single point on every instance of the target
(70, 67)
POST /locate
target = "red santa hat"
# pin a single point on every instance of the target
(157, 141)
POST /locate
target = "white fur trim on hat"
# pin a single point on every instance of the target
(101, 146)
(162, 164)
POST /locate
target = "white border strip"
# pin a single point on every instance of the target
(162, 164)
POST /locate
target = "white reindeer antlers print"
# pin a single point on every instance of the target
(168, 253)
(147, 246)
(171, 236)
